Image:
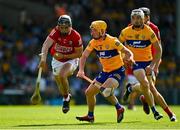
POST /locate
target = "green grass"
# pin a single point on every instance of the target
(51, 117)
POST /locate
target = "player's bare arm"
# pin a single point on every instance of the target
(156, 58)
(156, 68)
(129, 58)
(128, 53)
(82, 62)
(46, 45)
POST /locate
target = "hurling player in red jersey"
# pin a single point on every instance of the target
(157, 96)
(66, 47)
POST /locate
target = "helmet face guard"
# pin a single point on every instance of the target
(137, 12)
(137, 18)
(64, 23)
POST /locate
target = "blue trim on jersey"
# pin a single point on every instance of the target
(141, 65)
(118, 74)
(138, 43)
(107, 53)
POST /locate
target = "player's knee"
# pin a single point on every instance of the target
(88, 93)
(63, 75)
(107, 92)
(111, 83)
(145, 85)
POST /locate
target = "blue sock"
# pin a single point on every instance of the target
(153, 109)
(90, 114)
(130, 89)
(118, 106)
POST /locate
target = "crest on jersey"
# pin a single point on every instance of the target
(107, 46)
(70, 42)
(137, 36)
(100, 47)
(143, 37)
(117, 43)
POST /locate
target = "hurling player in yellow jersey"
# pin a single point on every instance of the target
(108, 50)
(139, 38)
(158, 98)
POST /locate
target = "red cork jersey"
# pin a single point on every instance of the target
(64, 44)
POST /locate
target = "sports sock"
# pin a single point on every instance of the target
(129, 89)
(118, 106)
(102, 89)
(66, 97)
(168, 111)
(153, 108)
(90, 114)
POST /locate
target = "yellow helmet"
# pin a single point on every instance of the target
(99, 25)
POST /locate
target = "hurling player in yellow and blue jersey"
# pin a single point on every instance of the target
(108, 50)
(139, 38)
(158, 98)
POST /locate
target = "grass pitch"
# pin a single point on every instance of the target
(51, 117)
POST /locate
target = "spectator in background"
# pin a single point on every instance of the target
(60, 9)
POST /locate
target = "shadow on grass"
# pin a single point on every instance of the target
(37, 125)
(80, 124)
(129, 122)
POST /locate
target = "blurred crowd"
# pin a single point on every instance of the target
(20, 46)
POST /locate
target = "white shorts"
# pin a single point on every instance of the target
(132, 79)
(57, 65)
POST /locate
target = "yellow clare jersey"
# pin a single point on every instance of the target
(139, 42)
(108, 52)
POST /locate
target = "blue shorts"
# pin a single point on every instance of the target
(118, 74)
(141, 65)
